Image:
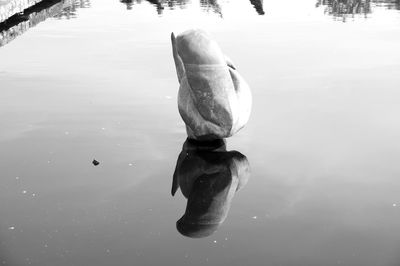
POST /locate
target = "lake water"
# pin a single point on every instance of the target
(96, 80)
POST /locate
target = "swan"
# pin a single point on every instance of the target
(214, 100)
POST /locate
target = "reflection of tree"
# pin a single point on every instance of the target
(20, 23)
(258, 5)
(390, 4)
(130, 3)
(348, 8)
(70, 10)
(159, 4)
(211, 5)
(206, 5)
(345, 8)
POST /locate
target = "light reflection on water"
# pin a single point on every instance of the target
(322, 139)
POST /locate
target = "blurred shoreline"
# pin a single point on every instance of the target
(32, 16)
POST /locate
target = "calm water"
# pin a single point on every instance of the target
(96, 80)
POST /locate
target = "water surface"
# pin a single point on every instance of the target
(322, 141)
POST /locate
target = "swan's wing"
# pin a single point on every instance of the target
(244, 97)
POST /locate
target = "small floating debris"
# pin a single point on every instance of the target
(394, 205)
(11, 228)
(130, 164)
(254, 217)
(24, 191)
(95, 162)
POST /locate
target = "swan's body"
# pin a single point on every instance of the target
(214, 101)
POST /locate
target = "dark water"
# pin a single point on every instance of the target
(321, 145)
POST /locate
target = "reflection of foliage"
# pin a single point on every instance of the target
(206, 5)
(211, 5)
(129, 3)
(390, 4)
(20, 23)
(30, 17)
(348, 8)
(258, 5)
(70, 9)
(159, 4)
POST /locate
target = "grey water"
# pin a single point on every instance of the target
(95, 80)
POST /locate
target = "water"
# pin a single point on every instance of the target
(322, 141)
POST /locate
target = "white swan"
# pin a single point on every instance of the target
(214, 101)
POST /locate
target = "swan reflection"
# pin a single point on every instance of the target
(208, 176)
